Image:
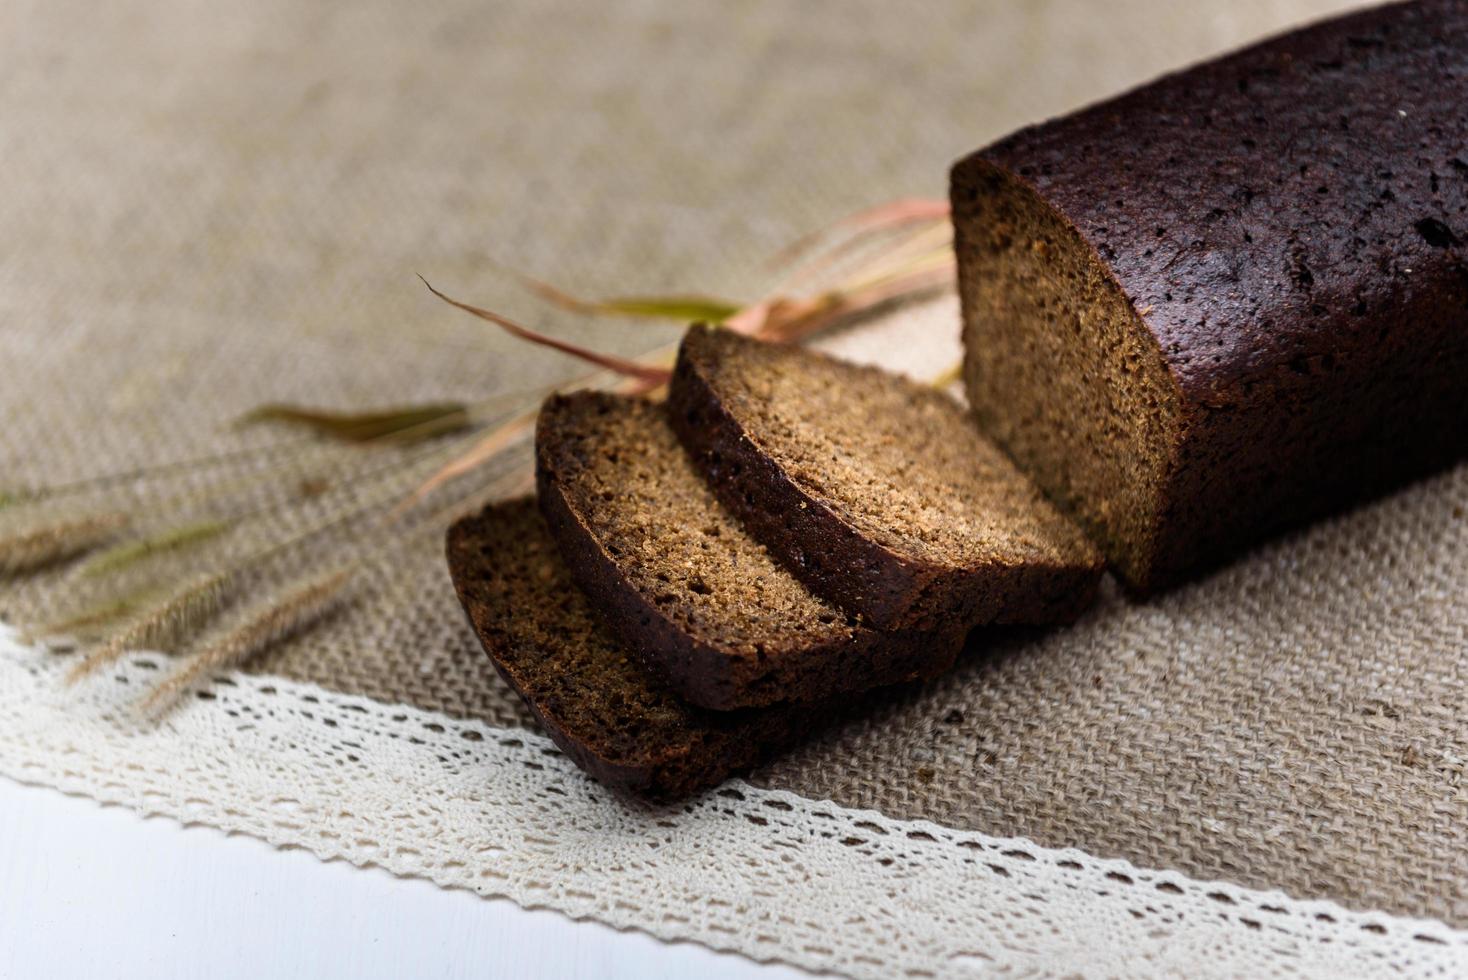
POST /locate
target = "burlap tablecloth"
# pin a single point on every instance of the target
(209, 206)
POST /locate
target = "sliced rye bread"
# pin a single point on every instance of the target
(597, 703)
(877, 491)
(676, 576)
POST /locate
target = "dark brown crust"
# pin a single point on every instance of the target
(712, 745)
(1291, 225)
(709, 675)
(837, 561)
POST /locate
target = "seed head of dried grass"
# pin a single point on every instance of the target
(163, 625)
(295, 611)
(33, 547)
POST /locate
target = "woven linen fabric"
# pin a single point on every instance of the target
(209, 208)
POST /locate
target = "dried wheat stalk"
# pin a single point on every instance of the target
(128, 553)
(164, 624)
(292, 613)
(37, 546)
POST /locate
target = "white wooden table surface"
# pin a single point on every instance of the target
(88, 891)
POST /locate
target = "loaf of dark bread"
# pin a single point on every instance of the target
(596, 702)
(877, 491)
(683, 584)
(1234, 298)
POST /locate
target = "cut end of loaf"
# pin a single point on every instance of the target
(1059, 368)
(879, 492)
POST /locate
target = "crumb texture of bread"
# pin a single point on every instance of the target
(878, 491)
(598, 704)
(682, 582)
(1235, 298)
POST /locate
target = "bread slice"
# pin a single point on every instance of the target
(681, 582)
(877, 491)
(596, 702)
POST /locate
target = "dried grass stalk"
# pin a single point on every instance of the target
(864, 224)
(37, 546)
(91, 617)
(922, 235)
(405, 424)
(129, 553)
(292, 613)
(492, 445)
(611, 362)
(164, 625)
(681, 308)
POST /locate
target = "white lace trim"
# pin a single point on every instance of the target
(768, 874)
